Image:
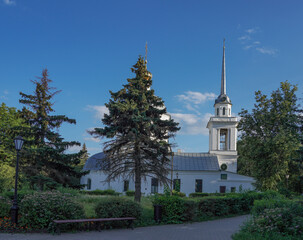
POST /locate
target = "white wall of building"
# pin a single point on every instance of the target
(211, 182)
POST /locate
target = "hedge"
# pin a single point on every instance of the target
(117, 207)
(101, 192)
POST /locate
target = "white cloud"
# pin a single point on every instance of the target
(100, 110)
(74, 149)
(192, 124)
(196, 97)
(269, 51)
(92, 139)
(251, 30)
(9, 2)
(244, 38)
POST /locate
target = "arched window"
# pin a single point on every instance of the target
(229, 111)
(223, 139)
(89, 184)
(224, 111)
(217, 111)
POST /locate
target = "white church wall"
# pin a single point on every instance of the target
(211, 182)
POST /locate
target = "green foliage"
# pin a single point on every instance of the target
(5, 206)
(260, 205)
(198, 194)
(175, 209)
(270, 138)
(40, 209)
(101, 192)
(178, 193)
(286, 222)
(117, 207)
(138, 145)
(21, 194)
(130, 193)
(44, 161)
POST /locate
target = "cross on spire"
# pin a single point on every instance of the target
(223, 75)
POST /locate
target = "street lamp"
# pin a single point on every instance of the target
(14, 209)
(172, 170)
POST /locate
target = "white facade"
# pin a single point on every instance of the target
(215, 171)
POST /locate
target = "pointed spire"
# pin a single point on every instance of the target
(146, 52)
(223, 76)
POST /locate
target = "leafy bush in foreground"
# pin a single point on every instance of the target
(5, 206)
(40, 209)
(116, 207)
(110, 192)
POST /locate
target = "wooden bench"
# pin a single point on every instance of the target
(96, 220)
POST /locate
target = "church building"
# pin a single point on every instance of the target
(211, 172)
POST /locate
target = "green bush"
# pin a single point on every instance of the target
(130, 193)
(40, 209)
(283, 222)
(110, 192)
(179, 194)
(261, 205)
(198, 194)
(21, 194)
(5, 206)
(115, 207)
(175, 209)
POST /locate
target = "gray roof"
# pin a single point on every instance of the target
(181, 162)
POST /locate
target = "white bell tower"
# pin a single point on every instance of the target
(223, 128)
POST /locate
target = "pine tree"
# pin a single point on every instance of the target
(84, 156)
(139, 144)
(45, 162)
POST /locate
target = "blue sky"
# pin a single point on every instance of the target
(89, 46)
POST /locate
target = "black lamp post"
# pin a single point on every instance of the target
(14, 209)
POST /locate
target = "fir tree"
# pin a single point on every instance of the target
(139, 144)
(45, 162)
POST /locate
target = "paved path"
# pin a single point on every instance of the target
(221, 229)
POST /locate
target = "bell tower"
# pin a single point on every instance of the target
(223, 127)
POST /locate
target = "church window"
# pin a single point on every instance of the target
(224, 176)
(126, 185)
(154, 185)
(229, 112)
(198, 186)
(223, 139)
(177, 185)
(89, 184)
(217, 111)
(223, 111)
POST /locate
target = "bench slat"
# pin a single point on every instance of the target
(93, 220)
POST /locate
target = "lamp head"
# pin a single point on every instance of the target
(18, 143)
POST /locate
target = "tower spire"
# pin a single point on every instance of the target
(223, 76)
(146, 52)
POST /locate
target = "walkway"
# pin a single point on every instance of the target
(221, 229)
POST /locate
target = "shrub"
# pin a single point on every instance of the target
(283, 222)
(5, 206)
(101, 192)
(130, 193)
(40, 209)
(261, 205)
(179, 194)
(115, 207)
(198, 194)
(21, 194)
(176, 209)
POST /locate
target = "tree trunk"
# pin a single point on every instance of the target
(137, 175)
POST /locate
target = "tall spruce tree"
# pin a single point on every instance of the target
(270, 137)
(45, 161)
(139, 144)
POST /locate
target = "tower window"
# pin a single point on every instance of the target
(229, 111)
(224, 111)
(223, 139)
(217, 111)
